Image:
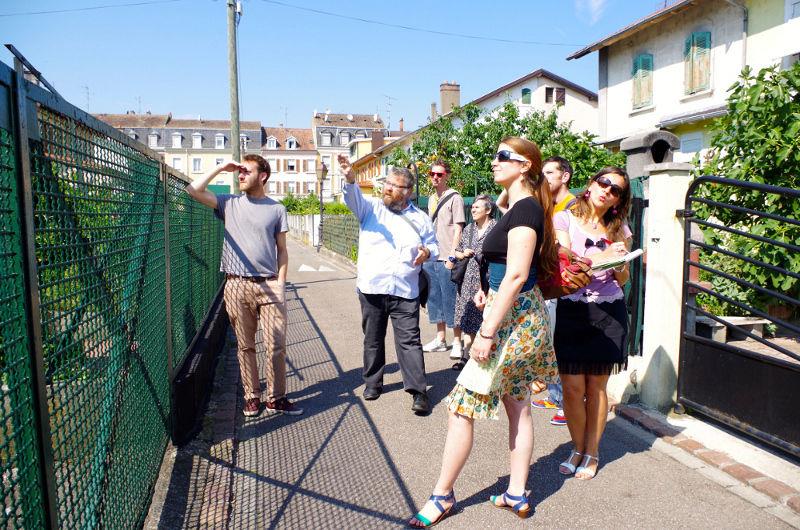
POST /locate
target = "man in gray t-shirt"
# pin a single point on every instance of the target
(255, 260)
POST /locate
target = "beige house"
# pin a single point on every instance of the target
(293, 160)
(192, 147)
(671, 70)
(333, 133)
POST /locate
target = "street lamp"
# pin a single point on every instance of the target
(322, 172)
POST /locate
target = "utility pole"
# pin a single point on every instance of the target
(87, 97)
(234, 11)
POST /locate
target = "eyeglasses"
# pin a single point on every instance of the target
(506, 155)
(604, 183)
(390, 185)
(436, 173)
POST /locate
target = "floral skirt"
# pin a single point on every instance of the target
(522, 352)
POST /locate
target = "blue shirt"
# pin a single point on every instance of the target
(387, 245)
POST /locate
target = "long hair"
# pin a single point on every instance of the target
(547, 263)
(612, 221)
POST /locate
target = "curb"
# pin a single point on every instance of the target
(778, 491)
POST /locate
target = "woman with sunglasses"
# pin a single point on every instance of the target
(513, 345)
(592, 323)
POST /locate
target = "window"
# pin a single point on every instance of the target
(272, 143)
(361, 135)
(344, 138)
(526, 96)
(691, 143)
(561, 96)
(218, 161)
(291, 166)
(132, 135)
(292, 187)
(196, 167)
(177, 140)
(197, 141)
(642, 80)
(353, 152)
(291, 143)
(697, 62)
(794, 9)
(176, 163)
(327, 161)
(270, 187)
(243, 141)
(273, 165)
(219, 141)
(548, 94)
(311, 165)
(152, 140)
(326, 139)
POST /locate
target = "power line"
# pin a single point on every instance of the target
(420, 30)
(92, 8)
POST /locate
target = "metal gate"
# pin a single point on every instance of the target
(740, 354)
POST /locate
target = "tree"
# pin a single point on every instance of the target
(758, 140)
(468, 138)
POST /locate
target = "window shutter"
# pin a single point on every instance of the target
(687, 65)
(637, 82)
(702, 60)
(561, 96)
(646, 69)
(305, 188)
(526, 96)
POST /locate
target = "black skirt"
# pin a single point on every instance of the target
(590, 337)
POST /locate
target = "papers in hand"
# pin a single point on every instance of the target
(597, 267)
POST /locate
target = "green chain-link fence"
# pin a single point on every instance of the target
(99, 241)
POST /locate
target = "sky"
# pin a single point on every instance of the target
(295, 56)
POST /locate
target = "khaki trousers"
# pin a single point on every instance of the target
(249, 303)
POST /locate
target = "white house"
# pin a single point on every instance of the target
(671, 70)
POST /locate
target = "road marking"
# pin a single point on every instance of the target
(323, 268)
(306, 268)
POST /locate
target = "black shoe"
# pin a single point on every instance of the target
(458, 366)
(372, 393)
(422, 404)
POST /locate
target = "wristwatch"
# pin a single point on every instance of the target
(452, 259)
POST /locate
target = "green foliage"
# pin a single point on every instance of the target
(758, 140)
(310, 205)
(470, 148)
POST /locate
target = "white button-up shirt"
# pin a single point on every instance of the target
(387, 245)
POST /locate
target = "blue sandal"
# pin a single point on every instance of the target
(520, 500)
(426, 523)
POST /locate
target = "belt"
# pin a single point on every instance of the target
(253, 279)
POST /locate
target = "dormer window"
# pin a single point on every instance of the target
(219, 141)
(243, 141)
(177, 140)
(344, 138)
(326, 139)
(197, 141)
(272, 143)
(152, 140)
(361, 135)
(291, 143)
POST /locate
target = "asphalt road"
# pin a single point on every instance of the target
(350, 463)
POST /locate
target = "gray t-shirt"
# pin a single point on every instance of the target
(251, 228)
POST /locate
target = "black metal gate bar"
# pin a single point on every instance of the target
(712, 373)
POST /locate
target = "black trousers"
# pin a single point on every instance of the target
(376, 309)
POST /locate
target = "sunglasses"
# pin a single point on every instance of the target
(604, 183)
(506, 155)
(436, 173)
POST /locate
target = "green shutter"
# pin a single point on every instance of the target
(702, 60)
(688, 82)
(526, 96)
(642, 80)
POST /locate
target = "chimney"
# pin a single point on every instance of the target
(377, 140)
(449, 95)
(400, 124)
(433, 112)
(375, 117)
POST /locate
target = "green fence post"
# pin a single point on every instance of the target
(33, 316)
(167, 276)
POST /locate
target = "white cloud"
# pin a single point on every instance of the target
(591, 9)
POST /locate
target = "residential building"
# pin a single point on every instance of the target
(293, 160)
(333, 133)
(366, 158)
(671, 70)
(539, 90)
(191, 146)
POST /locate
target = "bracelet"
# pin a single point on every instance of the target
(480, 332)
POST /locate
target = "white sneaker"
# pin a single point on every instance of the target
(435, 345)
(455, 353)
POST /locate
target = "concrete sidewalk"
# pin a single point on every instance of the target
(348, 463)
